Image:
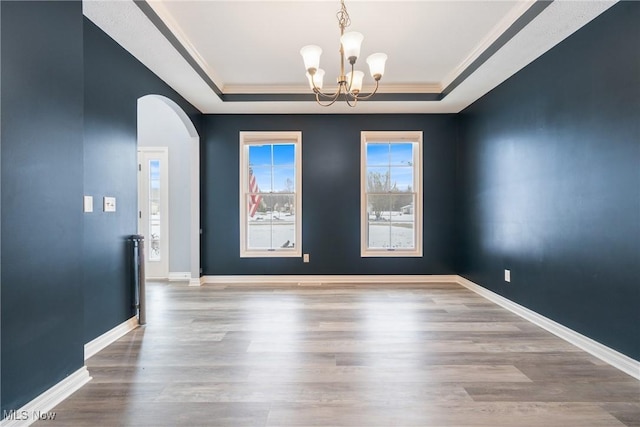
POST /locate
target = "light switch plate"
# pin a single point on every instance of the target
(87, 203)
(109, 204)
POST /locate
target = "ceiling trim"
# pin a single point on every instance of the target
(282, 94)
(304, 89)
(171, 38)
(524, 20)
(267, 97)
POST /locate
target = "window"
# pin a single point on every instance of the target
(270, 194)
(391, 194)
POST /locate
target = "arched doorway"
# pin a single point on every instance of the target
(164, 127)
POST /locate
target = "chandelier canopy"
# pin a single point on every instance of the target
(349, 85)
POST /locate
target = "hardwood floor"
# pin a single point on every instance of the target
(343, 355)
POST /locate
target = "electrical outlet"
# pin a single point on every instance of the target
(305, 258)
(109, 204)
(507, 276)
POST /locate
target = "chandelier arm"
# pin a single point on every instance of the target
(365, 97)
(355, 100)
(332, 101)
(328, 95)
(317, 91)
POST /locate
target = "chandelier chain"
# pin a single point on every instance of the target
(343, 17)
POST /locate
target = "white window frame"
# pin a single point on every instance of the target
(263, 138)
(391, 136)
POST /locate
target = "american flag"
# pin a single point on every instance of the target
(254, 199)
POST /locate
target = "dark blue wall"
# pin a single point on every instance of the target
(69, 112)
(114, 80)
(330, 196)
(42, 314)
(550, 183)
(546, 185)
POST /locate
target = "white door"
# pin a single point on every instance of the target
(153, 209)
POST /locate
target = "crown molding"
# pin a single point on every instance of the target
(516, 12)
(179, 45)
(171, 24)
(505, 37)
(303, 89)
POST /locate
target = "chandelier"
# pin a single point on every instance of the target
(350, 84)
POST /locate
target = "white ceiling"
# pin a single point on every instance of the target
(252, 47)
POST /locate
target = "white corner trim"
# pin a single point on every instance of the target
(195, 282)
(601, 351)
(338, 278)
(97, 344)
(44, 403)
(179, 276)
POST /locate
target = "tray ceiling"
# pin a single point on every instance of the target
(243, 56)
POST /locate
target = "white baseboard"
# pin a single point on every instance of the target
(319, 279)
(179, 276)
(195, 282)
(41, 406)
(601, 351)
(97, 344)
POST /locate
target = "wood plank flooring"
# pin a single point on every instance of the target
(343, 355)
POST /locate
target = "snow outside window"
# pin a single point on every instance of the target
(270, 194)
(391, 194)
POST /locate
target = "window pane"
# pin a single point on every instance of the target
(402, 178)
(402, 235)
(391, 221)
(378, 180)
(258, 235)
(378, 207)
(273, 224)
(283, 234)
(271, 205)
(377, 154)
(379, 237)
(379, 232)
(379, 213)
(284, 179)
(262, 182)
(259, 222)
(402, 221)
(284, 155)
(154, 211)
(282, 219)
(260, 155)
(401, 154)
